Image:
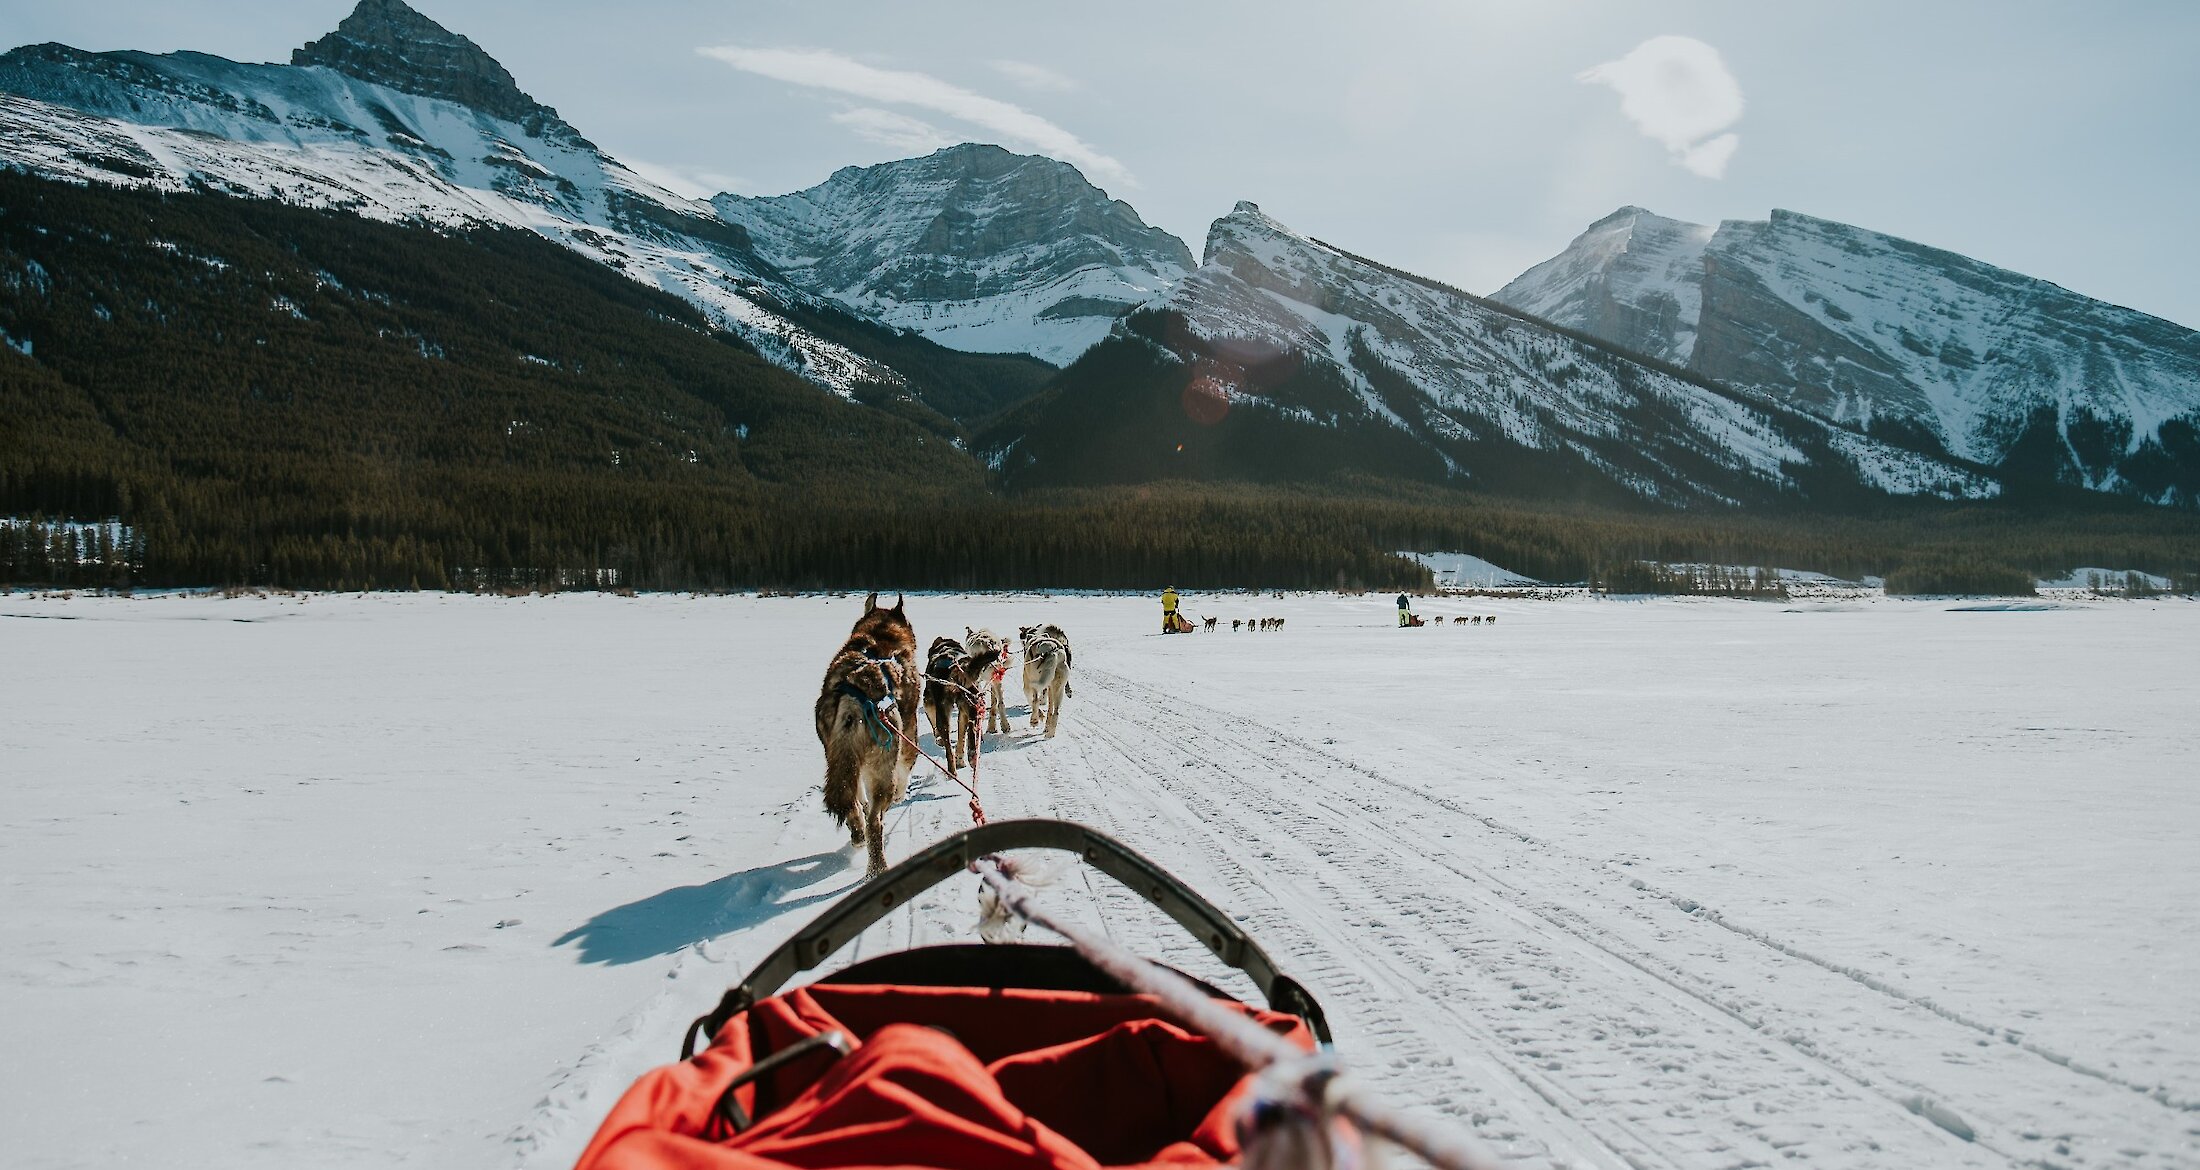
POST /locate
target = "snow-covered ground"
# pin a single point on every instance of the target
(423, 880)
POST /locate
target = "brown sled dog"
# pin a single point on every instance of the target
(867, 720)
(952, 677)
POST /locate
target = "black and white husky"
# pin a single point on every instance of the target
(1046, 674)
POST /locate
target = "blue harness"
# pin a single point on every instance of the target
(873, 722)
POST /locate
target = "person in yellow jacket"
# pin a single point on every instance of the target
(1168, 610)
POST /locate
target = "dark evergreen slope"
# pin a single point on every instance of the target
(265, 387)
(273, 395)
(965, 387)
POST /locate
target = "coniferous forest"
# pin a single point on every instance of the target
(197, 390)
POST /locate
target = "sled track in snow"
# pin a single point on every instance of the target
(1474, 988)
(1472, 934)
(1566, 1013)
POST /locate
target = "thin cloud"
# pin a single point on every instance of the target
(1678, 92)
(686, 182)
(897, 131)
(1033, 77)
(1012, 124)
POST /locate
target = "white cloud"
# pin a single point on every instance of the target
(897, 131)
(1034, 77)
(1708, 158)
(686, 182)
(1678, 91)
(1011, 124)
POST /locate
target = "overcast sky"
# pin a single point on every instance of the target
(1465, 140)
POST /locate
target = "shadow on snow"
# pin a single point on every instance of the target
(666, 921)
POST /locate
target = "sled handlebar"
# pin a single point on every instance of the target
(936, 863)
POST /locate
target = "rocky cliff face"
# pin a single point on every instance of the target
(1282, 335)
(1633, 278)
(973, 246)
(1883, 334)
(387, 43)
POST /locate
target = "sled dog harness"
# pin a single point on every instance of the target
(1034, 653)
(884, 734)
(873, 722)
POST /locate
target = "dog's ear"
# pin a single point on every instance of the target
(969, 633)
(871, 602)
(897, 603)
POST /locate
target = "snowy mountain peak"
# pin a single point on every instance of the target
(1878, 332)
(2000, 367)
(1247, 216)
(389, 43)
(1634, 278)
(974, 246)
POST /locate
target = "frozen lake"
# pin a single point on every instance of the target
(424, 880)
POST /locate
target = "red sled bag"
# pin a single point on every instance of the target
(961, 1057)
(970, 1078)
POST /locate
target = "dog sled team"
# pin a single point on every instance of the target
(874, 687)
(1409, 619)
(1174, 622)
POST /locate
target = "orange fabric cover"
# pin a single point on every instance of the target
(952, 1077)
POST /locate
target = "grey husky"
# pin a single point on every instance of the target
(1046, 674)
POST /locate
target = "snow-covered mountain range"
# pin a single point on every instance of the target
(972, 246)
(1880, 333)
(1688, 362)
(1282, 327)
(394, 117)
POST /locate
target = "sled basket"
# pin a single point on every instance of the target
(970, 1056)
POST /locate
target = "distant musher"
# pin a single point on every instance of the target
(1405, 613)
(1171, 621)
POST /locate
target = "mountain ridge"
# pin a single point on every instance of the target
(973, 246)
(915, 285)
(397, 119)
(1887, 335)
(1280, 334)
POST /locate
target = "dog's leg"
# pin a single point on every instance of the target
(878, 784)
(966, 735)
(932, 713)
(844, 781)
(941, 707)
(1057, 689)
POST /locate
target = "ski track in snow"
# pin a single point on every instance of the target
(1475, 964)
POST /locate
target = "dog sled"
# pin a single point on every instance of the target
(1176, 623)
(992, 1056)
